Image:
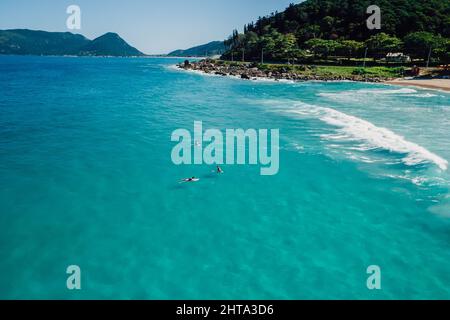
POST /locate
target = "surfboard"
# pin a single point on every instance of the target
(193, 180)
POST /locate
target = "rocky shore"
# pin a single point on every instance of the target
(253, 71)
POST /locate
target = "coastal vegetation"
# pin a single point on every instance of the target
(254, 70)
(335, 32)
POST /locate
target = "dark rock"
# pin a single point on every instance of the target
(250, 71)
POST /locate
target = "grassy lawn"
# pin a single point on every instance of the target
(383, 72)
(325, 71)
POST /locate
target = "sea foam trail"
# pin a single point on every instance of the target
(352, 128)
(362, 93)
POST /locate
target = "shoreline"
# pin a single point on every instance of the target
(435, 84)
(252, 71)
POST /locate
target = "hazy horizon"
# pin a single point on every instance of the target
(153, 27)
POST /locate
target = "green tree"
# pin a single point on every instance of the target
(289, 46)
(251, 42)
(419, 44)
(321, 47)
(309, 32)
(328, 24)
(350, 48)
(443, 51)
(382, 43)
(278, 51)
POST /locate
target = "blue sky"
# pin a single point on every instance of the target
(152, 26)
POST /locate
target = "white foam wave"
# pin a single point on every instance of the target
(351, 128)
(213, 74)
(362, 93)
(418, 181)
(388, 91)
(198, 72)
(424, 95)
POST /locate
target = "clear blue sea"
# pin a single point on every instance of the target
(86, 179)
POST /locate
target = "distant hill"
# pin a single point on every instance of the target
(331, 19)
(209, 49)
(31, 42)
(283, 35)
(109, 44)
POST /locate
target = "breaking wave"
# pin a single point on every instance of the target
(351, 128)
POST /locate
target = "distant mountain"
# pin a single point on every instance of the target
(109, 44)
(209, 49)
(22, 41)
(31, 42)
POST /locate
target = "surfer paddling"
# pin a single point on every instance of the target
(193, 179)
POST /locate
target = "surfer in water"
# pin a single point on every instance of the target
(219, 170)
(193, 179)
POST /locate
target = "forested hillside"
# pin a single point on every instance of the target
(32, 42)
(338, 27)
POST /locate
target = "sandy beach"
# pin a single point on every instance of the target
(441, 84)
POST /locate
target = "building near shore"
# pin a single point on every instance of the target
(397, 57)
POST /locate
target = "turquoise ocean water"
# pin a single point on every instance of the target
(86, 178)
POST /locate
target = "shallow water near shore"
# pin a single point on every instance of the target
(87, 179)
